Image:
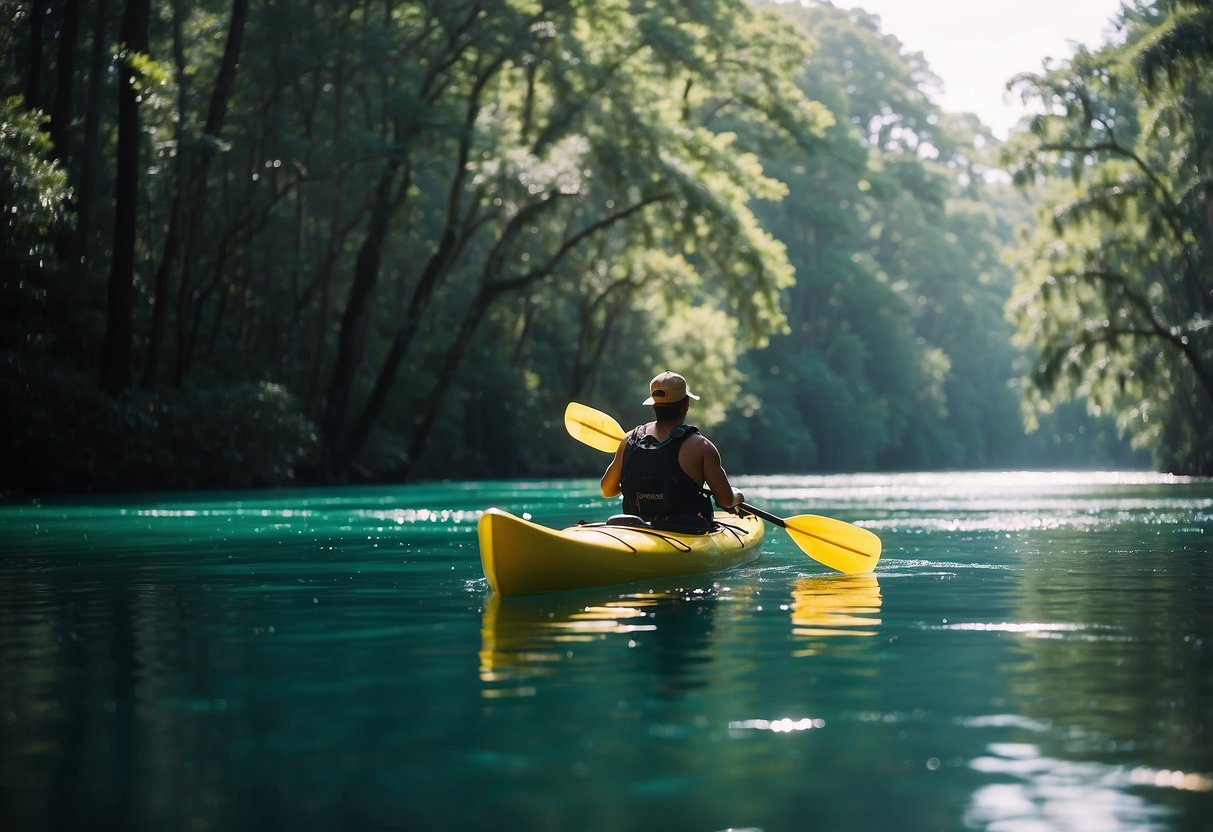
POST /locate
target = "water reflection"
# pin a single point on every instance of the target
(1038, 791)
(825, 607)
(1108, 673)
(522, 639)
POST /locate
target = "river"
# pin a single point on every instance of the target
(1034, 652)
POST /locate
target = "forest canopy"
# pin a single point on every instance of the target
(1115, 283)
(258, 243)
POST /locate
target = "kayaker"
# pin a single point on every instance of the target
(661, 467)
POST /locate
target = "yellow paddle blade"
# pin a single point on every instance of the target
(592, 427)
(838, 545)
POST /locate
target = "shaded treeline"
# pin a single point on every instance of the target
(254, 242)
(1115, 283)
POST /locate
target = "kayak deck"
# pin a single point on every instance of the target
(520, 557)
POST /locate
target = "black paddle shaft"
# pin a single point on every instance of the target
(765, 515)
(757, 512)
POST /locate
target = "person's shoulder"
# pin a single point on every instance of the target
(704, 445)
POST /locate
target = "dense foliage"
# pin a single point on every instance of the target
(1115, 289)
(255, 242)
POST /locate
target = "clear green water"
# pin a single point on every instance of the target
(1034, 652)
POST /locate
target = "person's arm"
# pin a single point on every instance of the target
(611, 478)
(727, 497)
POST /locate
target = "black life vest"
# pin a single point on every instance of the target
(654, 485)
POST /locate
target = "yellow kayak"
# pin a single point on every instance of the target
(520, 557)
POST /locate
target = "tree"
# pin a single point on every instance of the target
(34, 200)
(897, 354)
(465, 53)
(118, 344)
(1116, 295)
(191, 192)
(587, 136)
(417, 225)
(90, 144)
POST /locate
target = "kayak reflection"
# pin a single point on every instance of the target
(523, 639)
(827, 606)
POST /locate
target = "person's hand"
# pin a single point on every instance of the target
(738, 499)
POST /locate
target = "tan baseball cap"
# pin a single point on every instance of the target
(668, 388)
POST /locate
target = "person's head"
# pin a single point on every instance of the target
(670, 396)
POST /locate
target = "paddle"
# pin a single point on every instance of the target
(838, 545)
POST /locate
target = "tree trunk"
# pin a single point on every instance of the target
(345, 366)
(60, 125)
(61, 111)
(454, 357)
(160, 295)
(117, 346)
(342, 446)
(437, 267)
(488, 293)
(191, 195)
(86, 196)
(596, 331)
(33, 84)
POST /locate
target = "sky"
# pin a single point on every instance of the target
(976, 46)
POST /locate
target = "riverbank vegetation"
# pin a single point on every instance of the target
(258, 243)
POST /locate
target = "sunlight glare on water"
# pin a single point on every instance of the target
(1008, 501)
